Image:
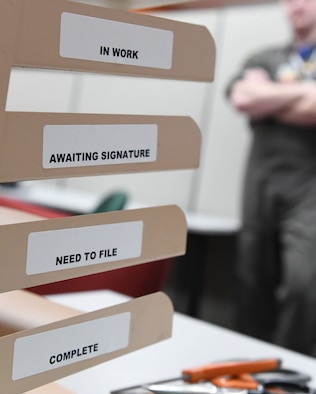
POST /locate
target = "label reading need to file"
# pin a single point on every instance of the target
(56, 250)
(92, 145)
(89, 38)
(64, 346)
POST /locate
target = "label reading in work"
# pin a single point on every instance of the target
(63, 346)
(93, 145)
(89, 38)
(56, 250)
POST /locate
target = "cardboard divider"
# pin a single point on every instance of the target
(159, 48)
(50, 389)
(37, 356)
(71, 36)
(22, 310)
(35, 252)
(70, 145)
(41, 342)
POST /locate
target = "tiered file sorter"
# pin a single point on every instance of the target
(42, 342)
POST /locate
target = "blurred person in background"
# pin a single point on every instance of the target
(276, 268)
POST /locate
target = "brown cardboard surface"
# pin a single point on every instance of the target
(151, 322)
(21, 310)
(164, 235)
(178, 145)
(30, 41)
(50, 389)
(25, 41)
(14, 216)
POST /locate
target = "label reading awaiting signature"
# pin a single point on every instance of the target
(57, 250)
(90, 38)
(92, 145)
(63, 346)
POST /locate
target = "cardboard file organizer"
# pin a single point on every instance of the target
(41, 342)
(65, 35)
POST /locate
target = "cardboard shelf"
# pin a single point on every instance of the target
(71, 36)
(166, 49)
(37, 356)
(22, 310)
(45, 251)
(70, 145)
(50, 389)
(41, 342)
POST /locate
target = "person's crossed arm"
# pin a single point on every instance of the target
(303, 110)
(259, 97)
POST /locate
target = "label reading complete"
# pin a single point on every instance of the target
(56, 250)
(92, 145)
(63, 346)
(89, 38)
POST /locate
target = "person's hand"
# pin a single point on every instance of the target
(256, 75)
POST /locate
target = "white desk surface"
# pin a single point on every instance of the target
(193, 343)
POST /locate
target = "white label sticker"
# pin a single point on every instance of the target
(53, 349)
(92, 145)
(56, 250)
(88, 38)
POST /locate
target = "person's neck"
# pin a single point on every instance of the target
(305, 37)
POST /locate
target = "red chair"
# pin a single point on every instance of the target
(134, 281)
